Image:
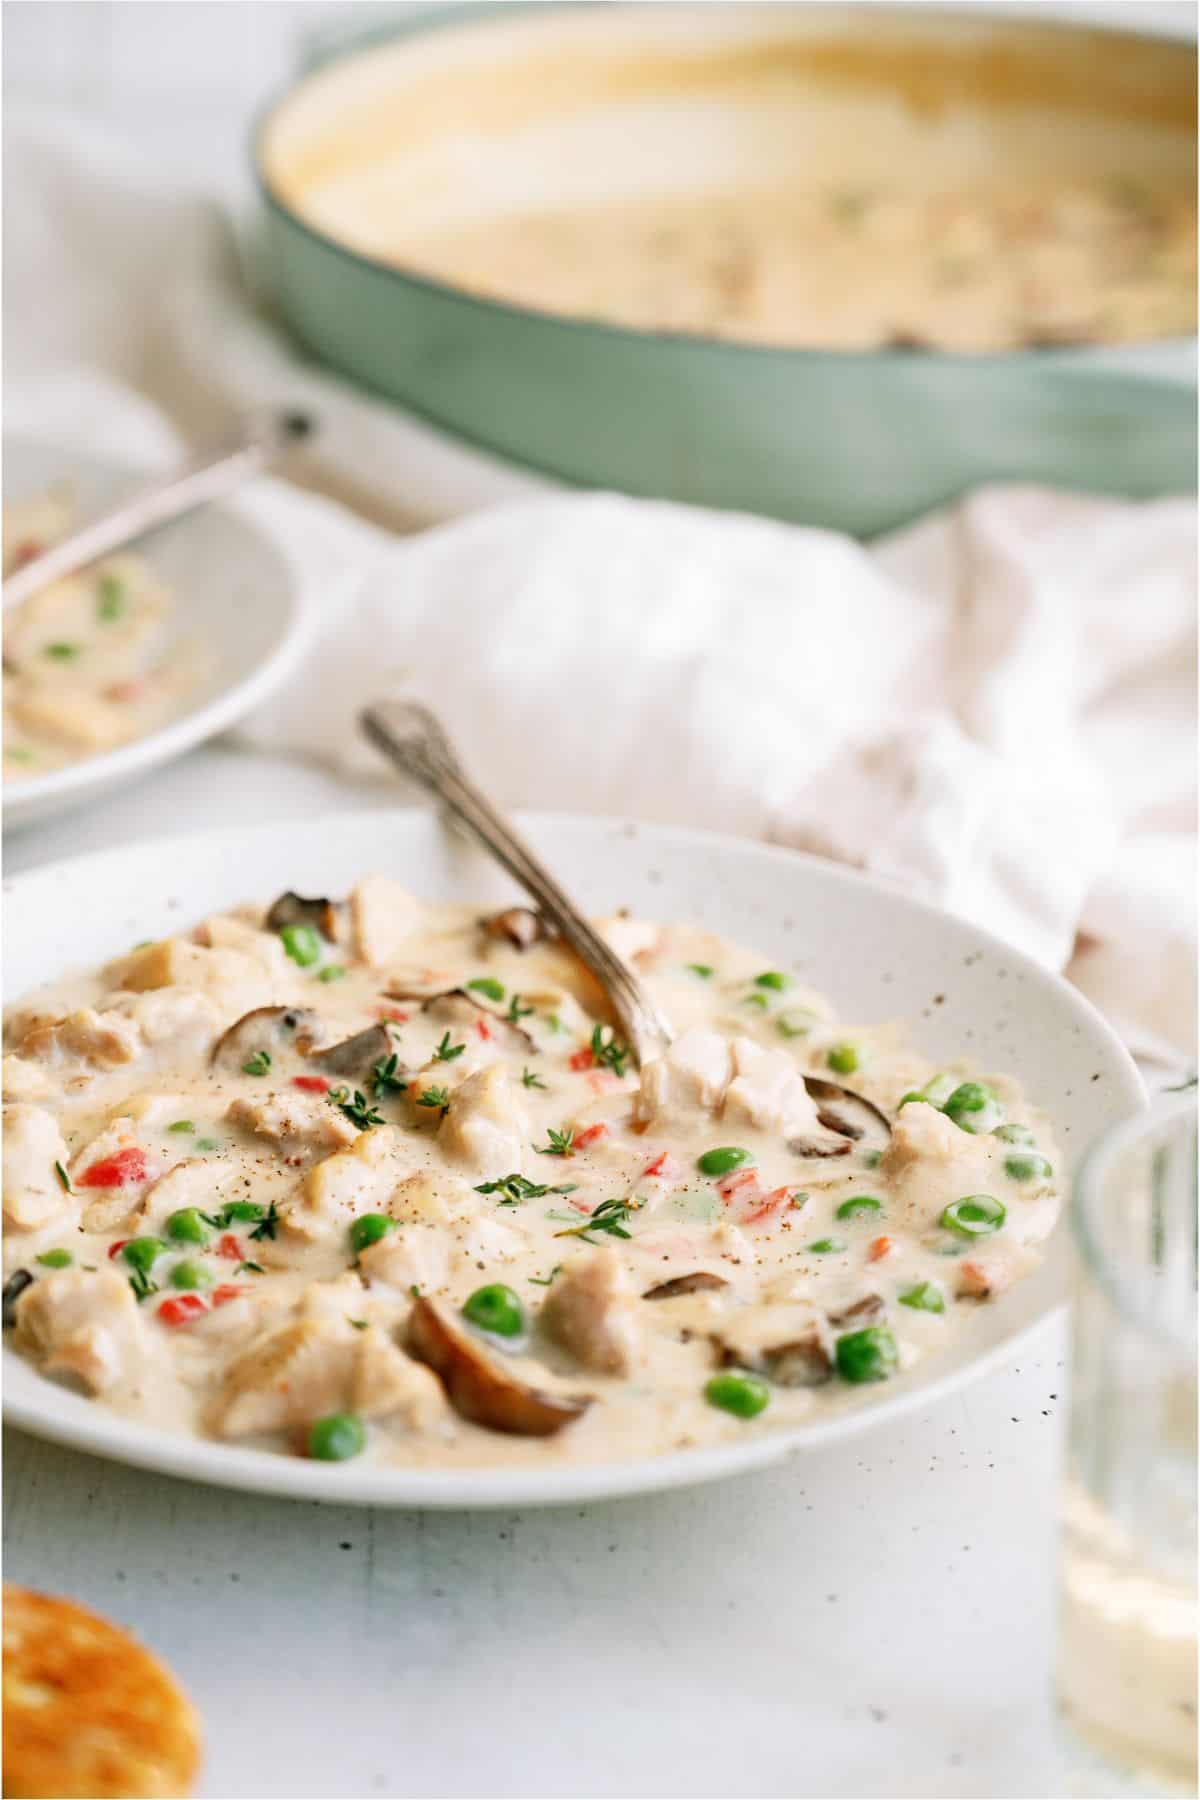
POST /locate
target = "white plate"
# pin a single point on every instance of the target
(233, 593)
(877, 954)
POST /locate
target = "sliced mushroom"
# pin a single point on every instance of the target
(457, 1006)
(14, 1287)
(356, 1056)
(275, 1029)
(329, 917)
(517, 925)
(841, 1110)
(700, 1282)
(476, 1385)
(863, 1312)
(789, 1344)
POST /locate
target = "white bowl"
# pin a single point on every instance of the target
(233, 593)
(877, 954)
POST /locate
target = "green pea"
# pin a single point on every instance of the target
(978, 1215)
(1027, 1168)
(940, 1088)
(867, 1355)
(495, 1308)
(826, 1246)
(736, 1392)
(369, 1229)
(208, 1144)
(914, 1094)
(337, 1437)
(704, 970)
(926, 1296)
(795, 1022)
(243, 1211)
(331, 972)
(188, 1226)
(55, 1259)
(302, 944)
(974, 1108)
(721, 1161)
(858, 1203)
(142, 1252)
(187, 1125)
(773, 978)
(488, 986)
(1014, 1134)
(757, 1000)
(191, 1275)
(843, 1059)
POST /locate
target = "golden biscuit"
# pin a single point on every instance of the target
(88, 1713)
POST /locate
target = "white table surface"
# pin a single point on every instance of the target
(875, 1619)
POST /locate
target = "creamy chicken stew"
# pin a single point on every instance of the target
(850, 268)
(87, 661)
(377, 1176)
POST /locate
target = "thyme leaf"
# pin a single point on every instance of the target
(561, 1143)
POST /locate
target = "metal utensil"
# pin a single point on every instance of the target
(411, 737)
(207, 476)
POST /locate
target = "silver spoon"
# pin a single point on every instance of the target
(207, 476)
(410, 736)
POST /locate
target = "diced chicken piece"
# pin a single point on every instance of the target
(630, 938)
(487, 1127)
(692, 1076)
(318, 1366)
(71, 714)
(768, 1092)
(223, 932)
(411, 1258)
(183, 1023)
(105, 1208)
(189, 1183)
(384, 916)
(23, 1080)
(33, 1145)
(98, 1040)
(300, 1125)
(474, 1235)
(985, 1276)
(232, 977)
(592, 1311)
(84, 1323)
(790, 1344)
(352, 1181)
(921, 1135)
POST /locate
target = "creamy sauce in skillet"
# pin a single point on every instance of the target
(856, 268)
(254, 1176)
(87, 665)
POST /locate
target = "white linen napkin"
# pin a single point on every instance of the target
(994, 709)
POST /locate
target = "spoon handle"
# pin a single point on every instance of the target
(411, 737)
(205, 477)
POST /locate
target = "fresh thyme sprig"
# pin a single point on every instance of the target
(358, 1110)
(516, 1188)
(516, 1012)
(610, 1216)
(546, 1280)
(606, 1052)
(530, 1080)
(258, 1064)
(561, 1143)
(266, 1226)
(446, 1051)
(64, 1180)
(386, 1076)
(435, 1096)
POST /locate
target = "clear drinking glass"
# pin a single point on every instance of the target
(1127, 1643)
